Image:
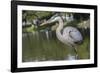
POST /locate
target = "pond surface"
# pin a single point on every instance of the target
(44, 46)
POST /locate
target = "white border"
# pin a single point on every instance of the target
(53, 63)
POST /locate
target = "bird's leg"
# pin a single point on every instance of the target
(73, 53)
(77, 56)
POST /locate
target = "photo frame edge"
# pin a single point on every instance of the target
(14, 41)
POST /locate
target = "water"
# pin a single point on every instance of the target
(44, 46)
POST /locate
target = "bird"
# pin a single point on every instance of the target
(69, 35)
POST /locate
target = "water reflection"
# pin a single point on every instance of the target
(44, 46)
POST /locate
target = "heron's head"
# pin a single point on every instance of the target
(52, 20)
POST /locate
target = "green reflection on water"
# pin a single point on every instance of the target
(37, 47)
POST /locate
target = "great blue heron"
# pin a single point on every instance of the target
(69, 35)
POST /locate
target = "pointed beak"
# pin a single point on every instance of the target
(49, 22)
(45, 23)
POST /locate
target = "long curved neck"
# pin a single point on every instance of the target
(58, 30)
